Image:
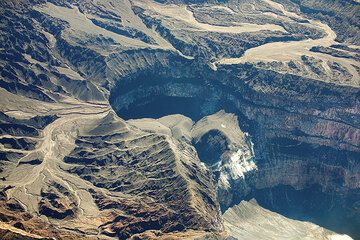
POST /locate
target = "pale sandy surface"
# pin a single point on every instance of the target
(293, 50)
(183, 14)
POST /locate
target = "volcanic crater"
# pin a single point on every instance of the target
(294, 175)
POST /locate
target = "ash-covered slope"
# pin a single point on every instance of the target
(155, 119)
(248, 220)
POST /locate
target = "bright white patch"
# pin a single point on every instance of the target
(224, 180)
(240, 163)
(227, 9)
(223, 125)
(340, 237)
(236, 156)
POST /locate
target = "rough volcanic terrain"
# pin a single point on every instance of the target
(180, 119)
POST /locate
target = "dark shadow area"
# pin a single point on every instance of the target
(155, 95)
(157, 107)
(211, 146)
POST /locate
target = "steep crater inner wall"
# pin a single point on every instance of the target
(328, 176)
(154, 95)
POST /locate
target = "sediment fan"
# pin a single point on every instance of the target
(143, 119)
